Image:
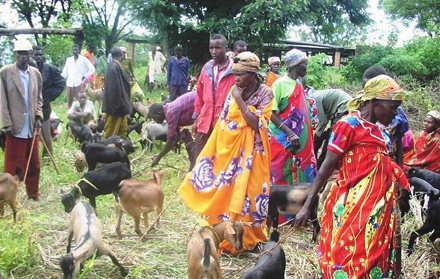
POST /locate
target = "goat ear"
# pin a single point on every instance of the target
(230, 230)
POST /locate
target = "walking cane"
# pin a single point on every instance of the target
(399, 157)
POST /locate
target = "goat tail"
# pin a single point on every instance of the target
(207, 254)
(116, 192)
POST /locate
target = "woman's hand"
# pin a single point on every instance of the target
(237, 92)
(302, 217)
(294, 140)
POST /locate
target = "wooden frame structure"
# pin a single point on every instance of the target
(77, 32)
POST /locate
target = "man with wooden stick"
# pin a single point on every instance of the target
(116, 101)
(21, 104)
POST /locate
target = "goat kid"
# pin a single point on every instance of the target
(77, 132)
(270, 265)
(105, 179)
(136, 197)
(8, 191)
(202, 250)
(99, 153)
(152, 132)
(86, 229)
(289, 199)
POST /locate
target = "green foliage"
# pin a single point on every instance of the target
(195, 70)
(419, 58)
(89, 266)
(316, 70)
(426, 12)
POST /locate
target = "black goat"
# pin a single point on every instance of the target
(105, 179)
(135, 127)
(432, 223)
(100, 153)
(126, 143)
(427, 175)
(79, 133)
(289, 199)
(270, 265)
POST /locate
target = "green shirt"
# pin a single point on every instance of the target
(282, 89)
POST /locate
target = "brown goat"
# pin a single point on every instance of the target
(142, 108)
(8, 191)
(136, 197)
(95, 95)
(202, 251)
(86, 228)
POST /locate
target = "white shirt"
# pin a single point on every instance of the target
(74, 70)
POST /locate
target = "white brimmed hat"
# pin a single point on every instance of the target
(22, 45)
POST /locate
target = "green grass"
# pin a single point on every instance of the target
(42, 229)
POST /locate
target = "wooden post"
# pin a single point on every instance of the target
(131, 46)
(337, 59)
(77, 32)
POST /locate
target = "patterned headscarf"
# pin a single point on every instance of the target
(435, 114)
(273, 59)
(381, 87)
(247, 62)
(294, 57)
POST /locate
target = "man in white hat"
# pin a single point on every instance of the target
(21, 104)
(156, 64)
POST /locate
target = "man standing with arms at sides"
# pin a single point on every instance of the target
(156, 63)
(116, 101)
(76, 70)
(53, 86)
(21, 104)
(177, 75)
(215, 82)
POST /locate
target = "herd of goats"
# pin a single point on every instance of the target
(109, 173)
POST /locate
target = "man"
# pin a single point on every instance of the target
(332, 105)
(21, 103)
(101, 66)
(156, 64)
(116, 101)
(177, 114)
(239, 47)
(177, 75)
(76, 70)
(127, 64)
(215, 82)
(53, 86)
(81, 111)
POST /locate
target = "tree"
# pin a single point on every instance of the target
(108, 21)
(42, 12)
(190, 23)
(426, 12)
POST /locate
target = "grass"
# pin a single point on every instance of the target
(41, 231)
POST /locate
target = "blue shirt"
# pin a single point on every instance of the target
(178, 71)
(26, 132)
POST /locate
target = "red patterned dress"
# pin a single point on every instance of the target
(357, 236)
(426, 153)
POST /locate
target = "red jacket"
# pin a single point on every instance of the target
(209, 101)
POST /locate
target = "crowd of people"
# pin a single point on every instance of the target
(252, 133)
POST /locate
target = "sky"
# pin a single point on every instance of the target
(381, 27)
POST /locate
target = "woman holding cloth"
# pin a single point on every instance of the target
(231, 180)
(358, 223)
(293, 156)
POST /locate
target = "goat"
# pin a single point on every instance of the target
(105, 179)
(270, 265)
(202, 250)
(135, 127)
(427, 175)
(136, 197)
(289, 199)
(95, 95)
(142, 109)
(423, 186)
(99, 153)
(432, 223)
(86, 228)
(77, 132)
(152, 132)
(126, 144)
(8, 191)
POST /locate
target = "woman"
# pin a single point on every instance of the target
(426, 153)
(273, 72)
(357, 234)
(231, 179)
(293, 157)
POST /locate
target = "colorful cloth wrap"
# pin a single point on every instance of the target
(358, 223)
(231, 180)
(381, 87)
(426, 153)
(294, 57)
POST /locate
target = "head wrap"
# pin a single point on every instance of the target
(247, 62)
(381, 87)
(273, 59)
(294, 57)
(124, 49)
(435, 114)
